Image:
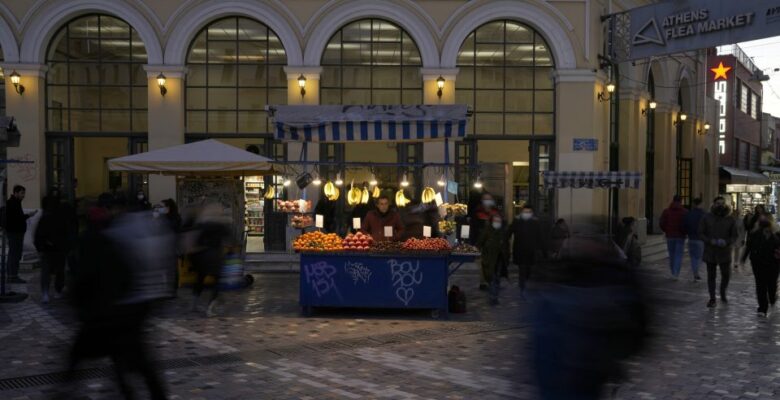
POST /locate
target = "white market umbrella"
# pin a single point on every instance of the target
(206, 157)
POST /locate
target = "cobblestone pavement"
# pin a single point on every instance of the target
(259, 347)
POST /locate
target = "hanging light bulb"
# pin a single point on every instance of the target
(339, 182)
(404, 182)
(478, 183)
(373, 181)
(286, 182)
(317, 181)
(441, 182)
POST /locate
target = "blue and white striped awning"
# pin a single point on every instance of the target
(353, 123)
(592, 179)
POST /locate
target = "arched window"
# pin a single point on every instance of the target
(2, 85)
(235, 67)
(371, 61)
(96, 105)
(96, 81)
(506, 77)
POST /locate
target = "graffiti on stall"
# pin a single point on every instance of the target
(406, 276)
(25, 171)
(358, 272)
(321, 278)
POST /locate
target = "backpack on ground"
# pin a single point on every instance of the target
(457, 300)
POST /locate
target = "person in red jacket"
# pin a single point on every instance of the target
(673, 224)
(376, 220)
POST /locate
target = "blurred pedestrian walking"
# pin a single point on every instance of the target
(559, 233)
(590, 315)
(528, 239)
(208, 253)
(628, 241)
(495, 253)
(744, 227)
(718, 230)
(122, 272)
(762, 244)
(695, 244)
(673, 227)
(52, 243)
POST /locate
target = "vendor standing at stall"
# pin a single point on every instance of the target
(382, 220)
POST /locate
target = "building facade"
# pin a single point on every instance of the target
(530, 71)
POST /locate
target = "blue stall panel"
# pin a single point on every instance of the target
(373, 281)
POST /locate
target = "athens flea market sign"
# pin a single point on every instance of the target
(678, 26)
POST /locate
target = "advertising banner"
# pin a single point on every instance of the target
(678, 26)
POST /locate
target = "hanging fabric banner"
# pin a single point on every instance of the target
(592, 179)
(355, 123)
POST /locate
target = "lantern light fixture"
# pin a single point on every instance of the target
(440, 85)
(302, 84)
(15, 79)
(161, 84)
(651, 106)
(608, 96)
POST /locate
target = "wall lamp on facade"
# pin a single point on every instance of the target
(15, 78)
(161, 84)
(704, 129)
(610, 90)
(440, 85)
(302, 84)
(680, 119)
(651, 106)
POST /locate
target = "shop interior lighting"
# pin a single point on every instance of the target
(478, 183)
(317, 181)
(610, 89)
(651, 106)
(302, 84)
(441, 182)
(373, 181)
(440, 84)
(338, 182)
(15, 78)
(161, 83)
(404, 182)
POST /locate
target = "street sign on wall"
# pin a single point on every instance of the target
(678, 26)
(585, 144)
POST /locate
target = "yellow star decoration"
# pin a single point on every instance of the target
(721, 71)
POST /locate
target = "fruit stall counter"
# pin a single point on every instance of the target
(374, 280)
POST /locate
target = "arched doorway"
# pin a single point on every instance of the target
(684, 184)
(650, 159)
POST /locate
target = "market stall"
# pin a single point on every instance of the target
(376, 272)
(207, 172)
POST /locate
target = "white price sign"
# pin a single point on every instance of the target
(439, 200)
(319, 221)
(356, 223)
(464, 231)
(427, 231)
(388, 231)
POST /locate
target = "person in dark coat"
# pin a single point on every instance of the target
(695, 244)
(672, 224)
(482, 216)
(558, 234)
(327, 209)
(376, 220)
(590, 316)
(761, 246)
(16, 227)
(718, 230)
(52, 241)
(527, 234)
(495, 252)
(208, 257)
(170, 211)
(628, 241)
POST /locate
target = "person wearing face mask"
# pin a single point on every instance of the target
(718, 230)
(527, 233)
(761, 246)
(493, 246)
(141, 203)
(482, 216)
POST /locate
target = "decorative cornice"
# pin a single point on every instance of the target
(313, 73)
(579, 75)
(431, 74)
(38, 70)
(170, 71)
